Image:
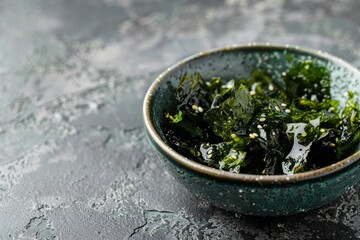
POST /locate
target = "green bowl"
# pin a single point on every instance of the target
(244, 193)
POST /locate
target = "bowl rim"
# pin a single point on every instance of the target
(241, 177)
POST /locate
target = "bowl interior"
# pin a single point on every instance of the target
(240, 62)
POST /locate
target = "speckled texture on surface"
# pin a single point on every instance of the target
(74, 161)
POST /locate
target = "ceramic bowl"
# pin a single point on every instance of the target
(244, 193)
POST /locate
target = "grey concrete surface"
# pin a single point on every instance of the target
(74, 161)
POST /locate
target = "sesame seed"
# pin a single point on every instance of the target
(287, 110)
(210, 151)
(251, 136)
(262, 119)
(283, 74)
(194, 107)
(234, 157)
(271, 87)
(252, 93)
(263, 115)
(283, 104)
(259, 126)
(322, 130)
(332, 145)
(255, 135)
(331, 109)
(209, 156)
(200, 109)
(277, 108)
(233, 135)
(304, 134)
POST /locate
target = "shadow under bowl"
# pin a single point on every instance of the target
(244, 193)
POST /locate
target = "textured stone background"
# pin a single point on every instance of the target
(74, 161)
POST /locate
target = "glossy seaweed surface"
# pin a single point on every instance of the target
(263, 125)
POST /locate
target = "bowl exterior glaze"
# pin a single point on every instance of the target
(255, 194)
(264, 199)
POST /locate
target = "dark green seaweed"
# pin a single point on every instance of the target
(262, 126)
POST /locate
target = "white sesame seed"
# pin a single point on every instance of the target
(251, 136)
(287, 110)
(283, 104)
(233, 135)
(332, 145)
(252, 93)
(277, 108)
(331, 109)
(259, 126)
(200, 109)
(194, 107)
(210, 151)
(263, 115)
(209, 156)
(304, 134)
(322, 130)
(234, 157)
(262, 119)
(255, 135)
(271, 87)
